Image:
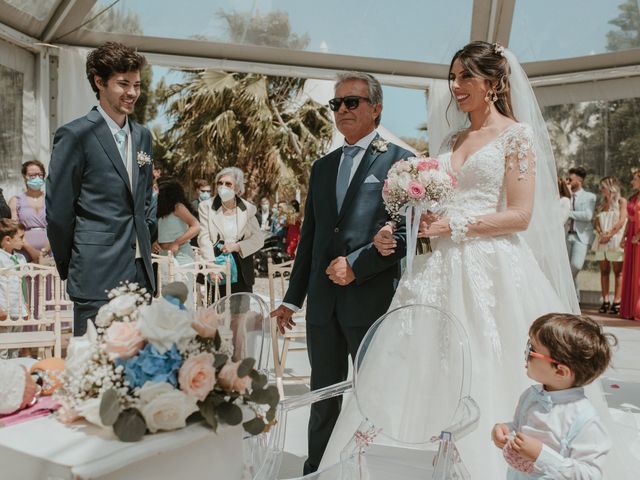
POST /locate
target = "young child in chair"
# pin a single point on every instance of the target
(556, 432)
(12, 298)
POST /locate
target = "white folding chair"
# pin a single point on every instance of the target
(28, 323)
(278, 275)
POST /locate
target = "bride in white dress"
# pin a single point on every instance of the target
(499, 259)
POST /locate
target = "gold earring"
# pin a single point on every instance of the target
(491, 96)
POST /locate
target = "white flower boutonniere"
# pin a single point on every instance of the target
(380, 145)
(143, 159)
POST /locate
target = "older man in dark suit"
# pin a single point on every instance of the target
(99, 189)
(348, 284)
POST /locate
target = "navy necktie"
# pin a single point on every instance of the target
(344, 172)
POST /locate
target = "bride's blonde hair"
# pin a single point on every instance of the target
(487, 61)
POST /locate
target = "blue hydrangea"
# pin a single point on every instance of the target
(152, 366)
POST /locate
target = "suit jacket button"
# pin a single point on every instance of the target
(336, 230)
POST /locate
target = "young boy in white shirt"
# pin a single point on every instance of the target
(556, 432)
(13, 301)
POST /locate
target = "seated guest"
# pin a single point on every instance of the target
(13, 295)
(203, 192)
(264, 215)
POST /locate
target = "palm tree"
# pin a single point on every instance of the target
(260, 124)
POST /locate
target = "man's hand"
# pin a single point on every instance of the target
(500, 435)
(340, 272)
(283, 317)
(384, 241)
(527, 447)
(155, 248)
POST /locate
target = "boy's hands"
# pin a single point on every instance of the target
(500, 435)
(527, 447)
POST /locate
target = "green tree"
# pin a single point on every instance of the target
(261, 124)
(121, 20)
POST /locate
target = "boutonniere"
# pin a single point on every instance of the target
(380, 145)
(143, 159)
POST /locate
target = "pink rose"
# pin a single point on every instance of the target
(228, 379)
(416, 190)
(422, 166)
(454, 180)
(197, 376)
(432, 164)
(205, 322)
(122, 340)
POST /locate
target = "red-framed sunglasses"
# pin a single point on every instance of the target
(530, 352)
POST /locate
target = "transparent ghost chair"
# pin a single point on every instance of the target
(409, 403)
(244, 327)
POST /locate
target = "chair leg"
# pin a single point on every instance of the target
(283, 357)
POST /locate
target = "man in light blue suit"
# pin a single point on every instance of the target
(580, 232)
(100, 213)
(348, 284)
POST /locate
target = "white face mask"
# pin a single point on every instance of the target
(264, 207)
(226, 194)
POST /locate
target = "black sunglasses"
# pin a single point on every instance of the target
(351, 102)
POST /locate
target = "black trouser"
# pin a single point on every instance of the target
(85, 309)
(328, 346)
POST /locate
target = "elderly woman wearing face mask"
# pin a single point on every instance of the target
(29, 209)
(228, 226)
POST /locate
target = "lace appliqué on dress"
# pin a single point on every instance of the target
(518, 145)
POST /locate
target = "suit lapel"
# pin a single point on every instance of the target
(334, 164)
(108, 144)
(365, 164)
(136, 136)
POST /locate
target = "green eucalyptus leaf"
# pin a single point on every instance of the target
(220, 360)
(259, 380)
(245, 367)
(271, 414)
(217, 341)
(130, 425)
(109, 407)
(230, 413)
(255, 426)
(208, 412)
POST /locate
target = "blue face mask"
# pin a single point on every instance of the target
(204, 196)
(35, 183)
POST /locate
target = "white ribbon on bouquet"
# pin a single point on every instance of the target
(412, 216)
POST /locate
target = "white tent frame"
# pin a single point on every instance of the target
(606, 76)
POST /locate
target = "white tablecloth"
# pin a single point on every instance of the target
(46, 449)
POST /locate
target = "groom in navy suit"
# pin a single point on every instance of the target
(348, 284)
(99, 189)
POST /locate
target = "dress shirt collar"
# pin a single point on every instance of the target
(364, 142)
(113, 126)
(560, 396)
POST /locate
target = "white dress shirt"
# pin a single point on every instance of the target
(550, 417)
(363, 143)
(11, 298)
(128, 159)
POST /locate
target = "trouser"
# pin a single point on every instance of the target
(328, 346)
(85, 308)
(577, 255)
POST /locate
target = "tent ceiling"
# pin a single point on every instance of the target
(32, 23)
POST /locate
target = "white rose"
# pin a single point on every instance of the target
(163, 324)
(124, 305)
(79, 354)
(90, 411)
(168, 411)
(151, 390)
(105, 316)
(403, 180)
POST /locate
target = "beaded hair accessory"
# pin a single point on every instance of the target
(498, 49)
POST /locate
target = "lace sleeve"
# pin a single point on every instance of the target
(519, 151)
(519, 187)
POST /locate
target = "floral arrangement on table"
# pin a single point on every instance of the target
(151, 366)
(416, 182)
(415, 186)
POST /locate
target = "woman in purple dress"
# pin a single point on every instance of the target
(28, 208)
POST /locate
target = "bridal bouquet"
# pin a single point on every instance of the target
(150, 367)
(414, 186)
(416, 182)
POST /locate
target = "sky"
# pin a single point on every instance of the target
(417, 30)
